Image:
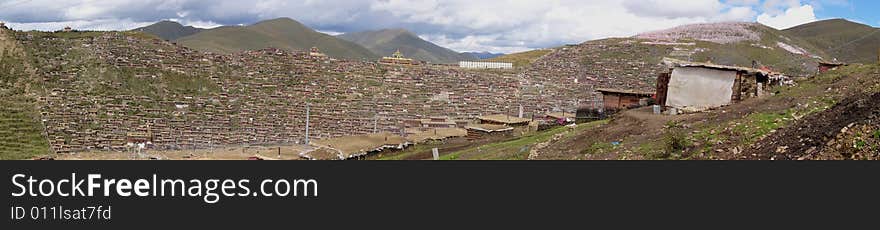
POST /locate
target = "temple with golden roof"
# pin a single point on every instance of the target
(398, 59)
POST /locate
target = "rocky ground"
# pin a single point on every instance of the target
(849, 130)
(830, 116)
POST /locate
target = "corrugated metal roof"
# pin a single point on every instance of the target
(672, 62)
(505, 119)
(623, 91)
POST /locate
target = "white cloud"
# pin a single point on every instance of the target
(196, 23)
(774, 7)
(102, 25)
(331, 33)
(518, 25)
(791, 17)
(673, 8)
(463, 25)
(739, 13)
(743, 2)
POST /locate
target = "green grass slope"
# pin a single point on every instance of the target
(521, 59)
(740, 44)
(21, 133)
(777, 58)
(386, 42)
(518, 148)
(847, 41)
(283, 33)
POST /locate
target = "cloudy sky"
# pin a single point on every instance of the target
(462, 25)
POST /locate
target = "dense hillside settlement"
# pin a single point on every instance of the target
(80, 92)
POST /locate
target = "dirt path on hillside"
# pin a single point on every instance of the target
(631, 124)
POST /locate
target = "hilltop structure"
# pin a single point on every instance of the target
(398, 59)
(68, 29)
(315, 52)
(825, 66)
(3, 25)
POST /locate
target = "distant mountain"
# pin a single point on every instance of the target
(169, 30)
(386, 42)
(845, 40)
(283, 33)
(483, 55)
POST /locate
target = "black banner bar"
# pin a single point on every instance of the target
(452, 194)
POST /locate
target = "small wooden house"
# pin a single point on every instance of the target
(487, 131)
(829, 66)
(617, 99)
(692, 86)
(507, 120)
(559, 118)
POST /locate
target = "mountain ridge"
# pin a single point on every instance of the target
(386, 41)
(484, 55)
(283, 33)
(169, 30)
(842, 39)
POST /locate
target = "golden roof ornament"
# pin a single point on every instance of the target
(397, 54)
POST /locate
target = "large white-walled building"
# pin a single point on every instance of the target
(485, 65)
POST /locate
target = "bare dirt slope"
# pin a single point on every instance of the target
(815, 137)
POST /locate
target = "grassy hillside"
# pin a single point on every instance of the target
(386, 42)
(283, 33)
(521, 59)
(21, 133)
(739, 44)
(847, 41)
(831, 116)
(169, 30)
(776, 57)
(518, 148)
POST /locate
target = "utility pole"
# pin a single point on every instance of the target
(520, 111)
(307, 122)
(508, 112)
